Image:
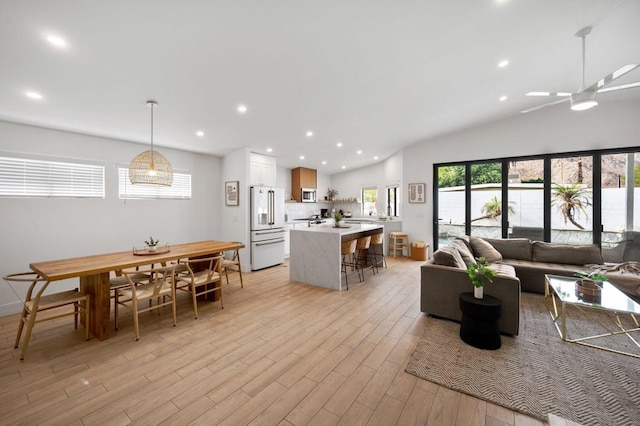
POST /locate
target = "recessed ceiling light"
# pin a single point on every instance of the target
(269, 149)
(503, 63)
(344, 167)
(34, 95)
(359, 152)
(309, 133)
(324, 162)
(200, 133)
(375, 158)
(502, 98)
(302, 157)
(56, 41)
(242, 109)
(339, 144)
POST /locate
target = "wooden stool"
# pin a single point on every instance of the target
(377, 251)
(398, 241)
(364, 258)
(348, 248)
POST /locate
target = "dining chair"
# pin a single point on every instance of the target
(119, 282)
(203, 276)
(36, 302)
(233, 265)
(159, 285)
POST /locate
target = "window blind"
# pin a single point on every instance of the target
(180, 190)
(35, 177)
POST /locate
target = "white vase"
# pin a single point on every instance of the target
(478, 292)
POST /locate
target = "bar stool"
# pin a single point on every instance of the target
(377, 250)
(348, 248)
(363, 257)
(398, 241)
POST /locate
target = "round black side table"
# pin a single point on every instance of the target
(479, 327)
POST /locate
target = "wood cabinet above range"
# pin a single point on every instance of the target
(302, 177)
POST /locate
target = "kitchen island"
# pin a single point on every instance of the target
(315, 252)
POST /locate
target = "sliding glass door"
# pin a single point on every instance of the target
(486, 200)
(526, 199)
(572, 198)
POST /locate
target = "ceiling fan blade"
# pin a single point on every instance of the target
(549, 94)
(621, 87)
(544, 105)
(612, 77)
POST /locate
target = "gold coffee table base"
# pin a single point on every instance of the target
(555, 288)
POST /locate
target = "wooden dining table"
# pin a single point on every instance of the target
(94, 273)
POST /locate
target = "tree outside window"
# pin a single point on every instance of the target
(369, 201)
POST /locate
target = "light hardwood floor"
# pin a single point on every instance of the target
(279, 353)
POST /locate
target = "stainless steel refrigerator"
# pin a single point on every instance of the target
(267, 227)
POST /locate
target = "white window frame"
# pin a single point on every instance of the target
(36, 176)
(180, 190)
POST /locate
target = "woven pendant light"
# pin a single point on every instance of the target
(150, 167)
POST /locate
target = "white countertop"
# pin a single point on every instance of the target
(330, 229)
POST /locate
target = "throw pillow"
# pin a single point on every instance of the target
(512, 248)
(464, 251)
(449, 256)
(481, 248)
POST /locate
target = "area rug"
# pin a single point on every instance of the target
(537, 373)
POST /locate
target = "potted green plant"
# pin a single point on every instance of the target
(331, 193)
(480, 273)
(337, 218)
(589, 286)
(594, 277)
(152, 244)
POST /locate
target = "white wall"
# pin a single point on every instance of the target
(234, 220)
(40, 229)
(379, 175)
(612, 124)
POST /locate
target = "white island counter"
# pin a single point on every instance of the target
(315, 252)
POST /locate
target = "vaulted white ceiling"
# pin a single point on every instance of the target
(375, 75)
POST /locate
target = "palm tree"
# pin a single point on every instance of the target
(570, 201)
(492, 209)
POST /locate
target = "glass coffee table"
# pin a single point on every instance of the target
(562, 292)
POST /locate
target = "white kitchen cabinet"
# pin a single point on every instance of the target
(262, 170)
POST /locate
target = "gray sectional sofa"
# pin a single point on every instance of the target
(521, 266)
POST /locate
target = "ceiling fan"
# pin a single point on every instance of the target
(585, 97)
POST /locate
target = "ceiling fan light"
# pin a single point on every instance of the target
(583, 100)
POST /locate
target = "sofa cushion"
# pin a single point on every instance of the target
(464, 251)
(512, 248)
(481, 248)
(566, 253)
(449, 256)
(504, 269)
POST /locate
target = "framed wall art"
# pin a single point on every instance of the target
(417, 193)
(231, 195)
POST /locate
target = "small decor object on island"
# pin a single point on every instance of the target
(331, 193)
(589, 286)
(480, 273)
(337, 218)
